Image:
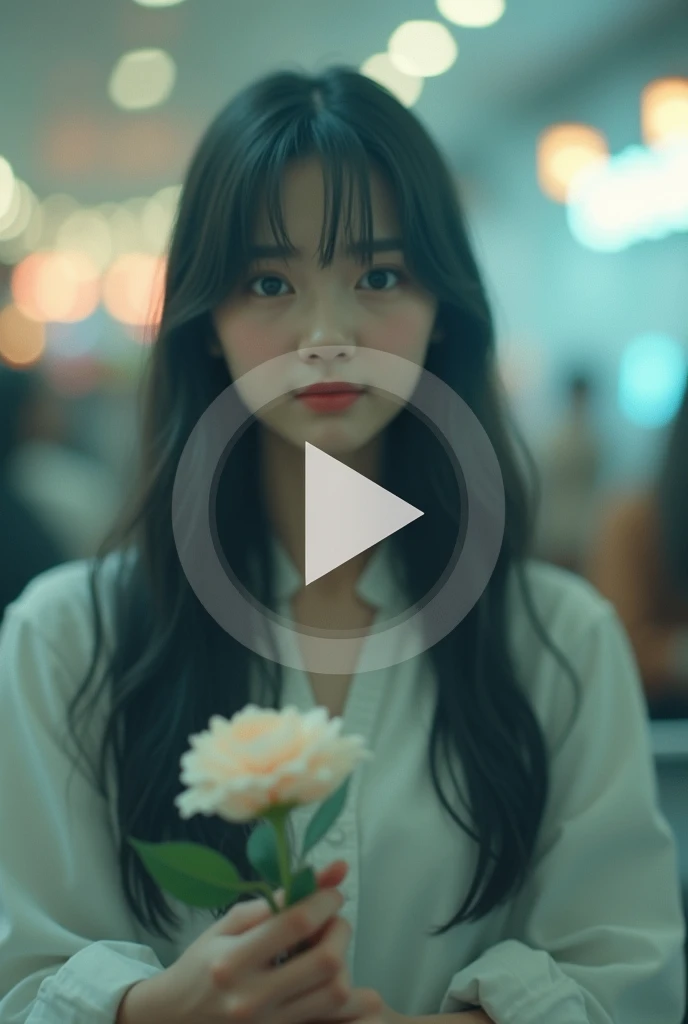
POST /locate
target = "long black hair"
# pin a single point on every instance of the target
(171, 666)
(672, 499)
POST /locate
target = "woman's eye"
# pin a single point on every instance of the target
(377, 277)
(377, 274)
(271, 294)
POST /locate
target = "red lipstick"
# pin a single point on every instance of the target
(331, 396)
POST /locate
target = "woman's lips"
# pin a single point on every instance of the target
(330, 397)
(329, 401)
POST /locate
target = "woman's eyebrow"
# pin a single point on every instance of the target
(258, 252)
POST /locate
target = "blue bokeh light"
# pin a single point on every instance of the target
(652, 379)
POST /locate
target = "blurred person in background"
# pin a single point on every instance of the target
(569, 471)
(74, 494)
(639, 561)
(27, 546)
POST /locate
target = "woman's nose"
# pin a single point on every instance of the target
(334, 352)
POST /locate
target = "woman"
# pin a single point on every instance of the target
(639, 561)
(560, 900)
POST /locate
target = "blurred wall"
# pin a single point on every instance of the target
(559, 305)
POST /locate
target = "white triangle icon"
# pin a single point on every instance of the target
(346, 513)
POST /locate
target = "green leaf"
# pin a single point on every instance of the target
(302, 884)
(192, 873)
(324, 818)
(261, 851)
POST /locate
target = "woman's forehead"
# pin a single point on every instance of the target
(306, 212)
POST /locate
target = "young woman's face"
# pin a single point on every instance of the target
(323, 319)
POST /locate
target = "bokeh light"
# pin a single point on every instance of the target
(87, 231)
(22, 341)
(664, 111)
(133, 289)
(639, 194)
(158, 3)
(125, 230)
(59, 286)
(158, 217)
(6, 186)
(19, 213)
(472, 13)
(652, 378)
(142, 79)
(422, 48)
(55, 208)
(566, 152)
(406, 88)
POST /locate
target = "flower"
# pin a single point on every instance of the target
(263, 758)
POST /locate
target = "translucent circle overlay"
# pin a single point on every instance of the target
(257, 627)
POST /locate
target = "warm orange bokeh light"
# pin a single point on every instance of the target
(22, 341)
(62, 287)
(133, 289)
(564, 152)
(664, 109)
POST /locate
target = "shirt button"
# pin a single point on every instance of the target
(336, 836)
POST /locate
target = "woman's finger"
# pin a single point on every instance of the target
(250, 913)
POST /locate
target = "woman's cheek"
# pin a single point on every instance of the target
(404, 333)
(249, 346)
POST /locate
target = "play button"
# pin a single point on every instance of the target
(346, 513)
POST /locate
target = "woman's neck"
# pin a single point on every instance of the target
(284, 486)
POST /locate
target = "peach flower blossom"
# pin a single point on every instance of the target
(262, 758)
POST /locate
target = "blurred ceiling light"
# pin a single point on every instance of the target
(564, 153)
(141, 79)
(13, 209)
(56, 208)
(422, 48)
(125, 231)
(158, 217)
(87, 231)
(31, 237)
(56, 286)
(664, 111)
(170, 196)
(406, 88)
(132, 289)
(22, 341)
(6, 186)
(158, 3)
(14, 249)
(652, 378)
(136, 206)
(18, 216)
(472, 13)
(639, 194)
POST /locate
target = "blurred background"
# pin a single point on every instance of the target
(567, 128)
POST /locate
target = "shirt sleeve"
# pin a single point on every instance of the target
(68, 944)
(596, 934)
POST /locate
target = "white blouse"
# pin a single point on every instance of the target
(594, 937)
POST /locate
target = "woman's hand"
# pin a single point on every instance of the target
(366, 1006)
(228, 973)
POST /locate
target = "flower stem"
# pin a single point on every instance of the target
(267, 892)
(279, 822)
(264, 889)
